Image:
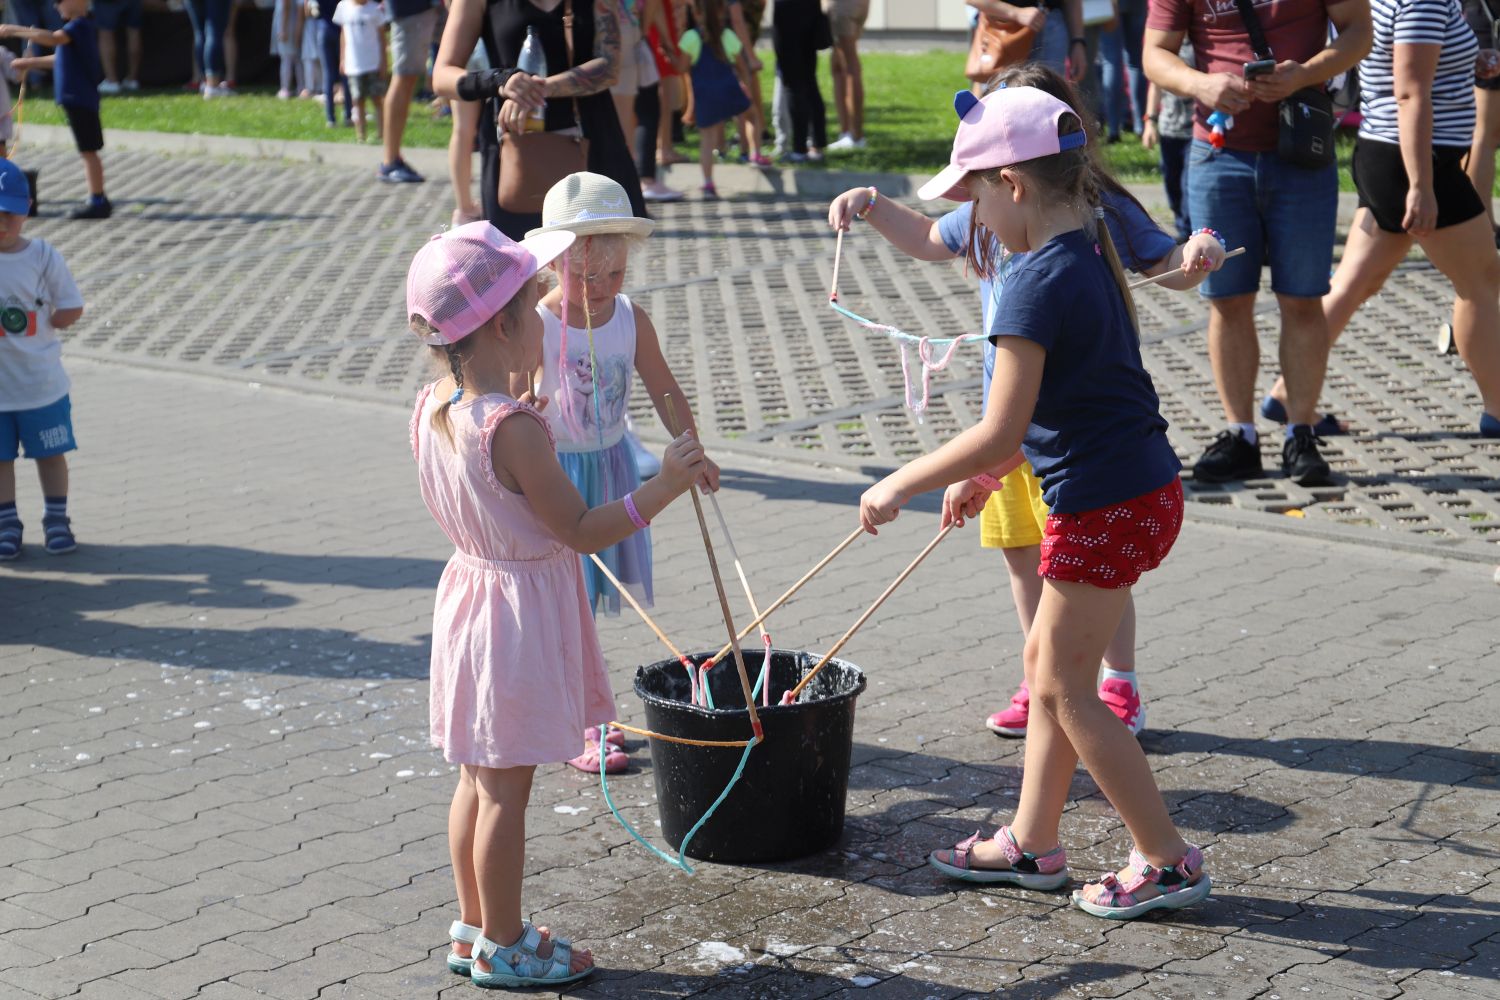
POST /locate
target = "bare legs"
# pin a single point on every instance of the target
(849, 87)
(1234, 351)
(1026, 590)
(461, 159)
(496, 798)
(709, 139)
(93, 173)
(396, 109)
(1074, 624)
(1466, 256)
(1481, 165)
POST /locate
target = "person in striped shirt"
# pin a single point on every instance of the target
(1417, 103)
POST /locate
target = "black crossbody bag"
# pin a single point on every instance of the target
(1306, 120)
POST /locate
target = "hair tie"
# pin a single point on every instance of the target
(457, 395)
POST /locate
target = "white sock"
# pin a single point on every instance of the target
(1110, 674)
(1246, 431)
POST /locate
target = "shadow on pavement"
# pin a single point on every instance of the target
(183, 585)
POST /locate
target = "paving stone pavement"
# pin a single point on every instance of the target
(214, 779)
(293, 272)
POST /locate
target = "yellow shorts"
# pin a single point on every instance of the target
(1015, 517)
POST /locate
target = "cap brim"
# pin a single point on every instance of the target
(547, 246)
(950, 184)
(628, 226)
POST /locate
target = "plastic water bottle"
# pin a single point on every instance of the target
(533, 62)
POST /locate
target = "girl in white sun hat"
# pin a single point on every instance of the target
(516, 666)
(596, 341)
(1070, 392)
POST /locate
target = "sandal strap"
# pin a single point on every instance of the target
(1052, 861)
(464, 933)
(962, 849)
(521, 958)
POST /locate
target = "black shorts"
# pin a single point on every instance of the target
(1380, 178)
(88, 133)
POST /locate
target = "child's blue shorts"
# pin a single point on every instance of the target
(44, 431)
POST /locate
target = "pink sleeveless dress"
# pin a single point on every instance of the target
(517, 672)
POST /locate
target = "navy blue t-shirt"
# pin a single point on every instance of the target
(1139, 241)
(77, 71)
(1097, 436)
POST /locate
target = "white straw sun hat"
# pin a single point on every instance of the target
(589, 205)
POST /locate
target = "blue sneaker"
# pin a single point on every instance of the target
(59, 538)
(10, 539)
(399, 173)
(1488, 426)
(1327, 426)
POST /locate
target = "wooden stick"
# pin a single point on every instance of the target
(638, 609)
(838, 251)
(790, 591)
(1176, 270)
(739, 568)
(794, 692)
(713, 565)
(765, 637)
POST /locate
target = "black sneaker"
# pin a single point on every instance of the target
(1301, 461)
(91, 209)
(1229, 458)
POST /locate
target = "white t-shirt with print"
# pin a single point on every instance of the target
(34, 283)
(361, 24)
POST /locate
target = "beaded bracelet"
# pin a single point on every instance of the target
(635, 515)
(869, 205)
(1215, 234)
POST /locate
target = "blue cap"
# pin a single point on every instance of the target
(15, 193)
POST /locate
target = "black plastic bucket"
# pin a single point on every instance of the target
(790, 801)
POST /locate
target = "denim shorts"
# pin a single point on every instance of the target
(44, 431)
(1284, 217)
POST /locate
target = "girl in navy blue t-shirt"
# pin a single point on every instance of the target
(1071, 396)
(1015, 518)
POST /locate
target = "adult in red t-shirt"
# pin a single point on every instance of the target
(1282, 214)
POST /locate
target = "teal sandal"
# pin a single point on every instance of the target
(462, 933)
(520, 965)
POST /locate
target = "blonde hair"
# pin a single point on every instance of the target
(451, 358)
(1068, 177)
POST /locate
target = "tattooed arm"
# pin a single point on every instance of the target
(602, 71)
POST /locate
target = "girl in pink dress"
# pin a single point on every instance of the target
(517, 671)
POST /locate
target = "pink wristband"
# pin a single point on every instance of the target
(987, 481)
(635, 515)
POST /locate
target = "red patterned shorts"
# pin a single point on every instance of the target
(1112, 546)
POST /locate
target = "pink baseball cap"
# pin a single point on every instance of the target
(1006, 126)
(460, 279)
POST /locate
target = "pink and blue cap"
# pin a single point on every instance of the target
(460, 279)
(1007, 126)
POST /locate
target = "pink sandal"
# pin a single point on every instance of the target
(1179, 885)
(1029, 871)
(615, 738)
(615, 759)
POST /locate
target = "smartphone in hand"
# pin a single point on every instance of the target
(1259, 68)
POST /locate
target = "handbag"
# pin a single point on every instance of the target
(822, 31)
(996, 45)
(1305, 119)
(532, 162)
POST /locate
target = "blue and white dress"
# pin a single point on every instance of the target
(590, 396)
